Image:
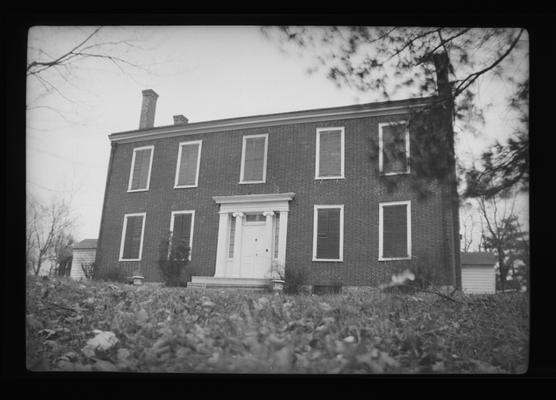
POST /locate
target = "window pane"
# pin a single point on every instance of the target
(254, 159)
(188, 165)
(394, 157)
(328, 233)
(394, 231)
(141, 169)
(276, 234)
(255, 218)
(132, 242)
(232, 236)
(330, 153)
(182, 227)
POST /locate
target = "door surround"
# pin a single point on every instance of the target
(236, 207)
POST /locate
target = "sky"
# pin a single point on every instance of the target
(204, 73)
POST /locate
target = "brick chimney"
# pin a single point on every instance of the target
(180, 120)
(148, 109)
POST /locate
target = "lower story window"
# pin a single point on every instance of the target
(132, 237)
(328, 233)
(181, 226)
(395, 230)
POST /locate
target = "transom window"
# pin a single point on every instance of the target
(328, 233)
(395, 230)
(393, 148)
(255, 217)
(187, 169)
(133, 229)
(140, 173)
(253, 159)
(329, 159)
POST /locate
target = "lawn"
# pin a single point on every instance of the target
(103, 326)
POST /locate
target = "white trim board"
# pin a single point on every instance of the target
(133, 166)
(381, 146)
(381, 226)
(180, 147)
(342, 152)
(124, 229)
(192, 212)
(244, 140)
(261, 121)
(317, 207)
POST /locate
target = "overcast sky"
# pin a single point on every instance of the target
(204, 73)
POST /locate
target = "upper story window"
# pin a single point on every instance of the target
(394, 236)
(393, 139)
(133, 230)
(141, 164)
(181, 226)
(329, 161)
(328, 233)
(187, 169)
(253, 159)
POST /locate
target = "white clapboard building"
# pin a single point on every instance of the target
(477, 272)
(84, 253)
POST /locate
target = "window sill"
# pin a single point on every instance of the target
(137, 190)
(186, 187)
(130, 259)
(327, 260)
(394, 173)
(318, 178)
(251, 182)
(394, 258)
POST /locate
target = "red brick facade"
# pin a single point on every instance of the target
(290, 168)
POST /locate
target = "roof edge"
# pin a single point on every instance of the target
(350, 111)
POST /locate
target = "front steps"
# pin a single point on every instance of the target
(211, 282)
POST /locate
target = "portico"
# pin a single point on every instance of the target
(252, 234)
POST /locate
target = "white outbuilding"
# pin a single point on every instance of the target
(84, 253)
(477, 273)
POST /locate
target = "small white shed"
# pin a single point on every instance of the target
(84, 252)
(477, 272)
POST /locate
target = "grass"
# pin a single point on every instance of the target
(175, 330)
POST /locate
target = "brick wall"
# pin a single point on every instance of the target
(290, 168)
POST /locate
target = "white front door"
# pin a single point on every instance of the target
(255, 256)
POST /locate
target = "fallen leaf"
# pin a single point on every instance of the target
(102, 341)
(283, 358)
(141, 316)
(105, 366)
(349, 339)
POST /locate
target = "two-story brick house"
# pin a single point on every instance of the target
(298, 189)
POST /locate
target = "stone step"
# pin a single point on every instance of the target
(210, 282)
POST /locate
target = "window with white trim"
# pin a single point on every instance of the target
(140, 173)
(187, 169)
(393, 148)
(253, 159)
(395, 230)
(328, 233)
(181, 226)
(329, 159)
(133, 230)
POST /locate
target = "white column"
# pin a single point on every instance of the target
(268, 241)
(282, 236)
(237, 245)
(222, 245)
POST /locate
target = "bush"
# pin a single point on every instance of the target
(173, 260)
(113, 274)
(88, 270)
(293, 281)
